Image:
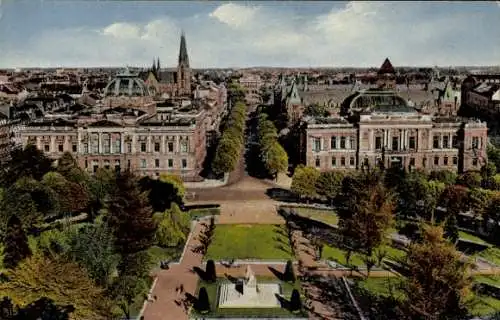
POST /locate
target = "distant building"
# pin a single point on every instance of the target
(482, 93)
(287, 99)
(173, 82)
(379, 128)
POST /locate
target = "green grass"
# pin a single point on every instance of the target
(491, 254)
(216, 312)
(484, 305)
(338, 255)
(384, 287)
(491, 280)
(325, 216)
(470, 237)
(158, 254)
(249, 241)
(199, 213)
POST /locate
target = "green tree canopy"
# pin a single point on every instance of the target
(304, 181)
(63, 282)
(438, 281)
(275, 159)
(130, 216)
(15, 243)
(329, 184)
(27, 162)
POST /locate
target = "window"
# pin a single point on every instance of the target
(143, 146)
(454, 141)
(351, 161)
(184, 163)
(317, 144)
(333, 143)
(351, 143)
(435, 142)
(170, 147)
(46, 148)
(342, 142)
(474, 162)
(118, 146)
(60, 148)
(95, 143)
(157, 163)
(106, 143)
(85, 148)
(446, 142)
(106, 164)
(74, 147)
(184, 146)
(475, 142)
(378, 143)
(412, 162)
(424, 162)
(445, 161)
(317, 162)
(170, 163)
(117, 166)
(334, 161)
(436, 161)
(342, 161)
(86, 164)
(143, 163)
(157, 147)
(412, 145)
(395, 143)
(128, 164)
(129, 147)
(455, 160)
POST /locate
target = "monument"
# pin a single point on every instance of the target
(249, 294)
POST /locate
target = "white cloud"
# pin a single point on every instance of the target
(235, 15)
(357, 34)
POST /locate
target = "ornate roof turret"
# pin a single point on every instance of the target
(386, 68)
(183, 54)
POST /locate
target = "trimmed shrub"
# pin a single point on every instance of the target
(295, 303)
(289, 274)
(203, 305)
(210, 273)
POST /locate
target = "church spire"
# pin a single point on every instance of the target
(183, 55)
(158, 64)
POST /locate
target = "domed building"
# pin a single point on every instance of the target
(379, 129)
(128, 90)
(127, 84)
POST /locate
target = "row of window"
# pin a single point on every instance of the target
(444, 143)
(342, 162)
(116, 148)
(143, 163)
(335, 163)
(335, 143)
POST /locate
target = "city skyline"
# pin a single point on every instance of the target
(246, 34)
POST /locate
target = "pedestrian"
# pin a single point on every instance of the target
(182, 288)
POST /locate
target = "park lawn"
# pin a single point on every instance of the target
(249, 241)
(484, 305)
(212, 291)
(470, 237)
(491, 254)
(383, 286)
(338, 255)
(203, 212)
(322, 215)
(488, 279)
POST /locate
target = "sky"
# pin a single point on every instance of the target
(43, 33)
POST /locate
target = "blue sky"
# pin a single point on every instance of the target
(240, 34)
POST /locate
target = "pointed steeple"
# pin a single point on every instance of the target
(386, 67)
(183, 55)
(158, 64)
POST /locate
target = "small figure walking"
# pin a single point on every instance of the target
(181, 288)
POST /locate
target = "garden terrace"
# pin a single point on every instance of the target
(249, 241)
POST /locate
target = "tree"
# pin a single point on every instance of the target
(72, 196)
(203, 304)
(438, 281)
(304, 181)
(412, 191)
(445, 176)
(162, 194)
(210, 273)
(295, 303)
(130, 216)
(176, 181)
(371, 216)
(478, 200)
(316, 110)
(27, 162)
(225, 155)
(275, 159)
(68, 167)
(493, 155)
(289, 274)
(329, 184)
(454, 199)
(92, 248)
(491, 216)
(451, 228)
(100, 187)
(63, 282)
(470, 179)
(15, 243)
(172, 227)
(432, 196)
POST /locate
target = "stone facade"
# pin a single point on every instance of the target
(393, 135)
